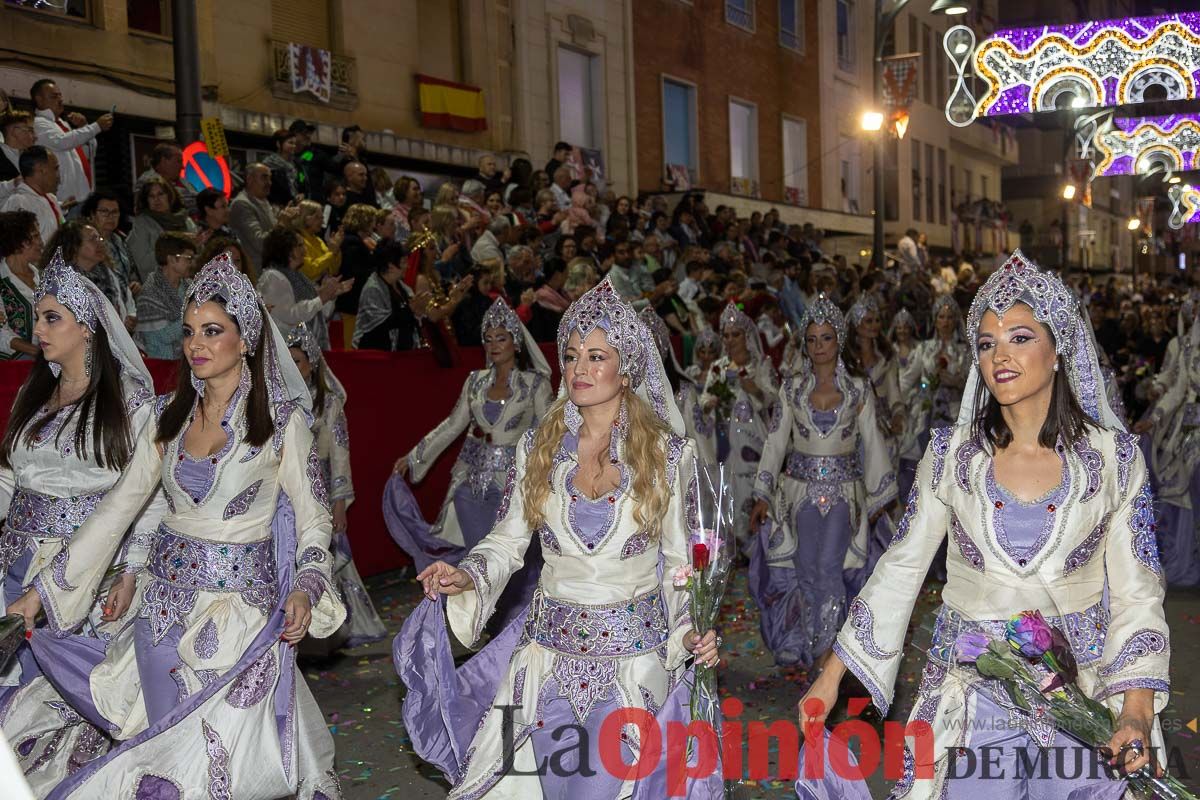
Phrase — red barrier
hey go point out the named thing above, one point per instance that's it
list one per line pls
(394, 400)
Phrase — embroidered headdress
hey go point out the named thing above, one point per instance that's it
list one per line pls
(65, 284)
(823, 311)
(220, 278)
(734, 318)
(1053, 304)
(947, 301)
(501, 315)
(903, 317)
(865, 304)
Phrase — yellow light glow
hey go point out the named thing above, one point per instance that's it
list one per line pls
(1134, 223)
(872, 121)
(1069, 192)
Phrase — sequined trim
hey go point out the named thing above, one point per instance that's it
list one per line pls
(1156, 684)
(1086, 631)
(510, 484)
(341, 432)
(316, 478)
(615, 630)
(862, 621)
(966, 547)
(206, 643)
(186, 563)
(939, 445)
(962, 462)
(252, 686)
(241, 504)
(1127, 448)
(593, 541)
(549, 541)
(518, 693)
(45, 516)
(218, 764)
(635, 545)
(584, 682)
(824, 469)
(1143, 643)
(1084, 551)
(910, 511)
(865, 677)
(1141, 522)
(1093, 465)
(164, 606)
(483, 461)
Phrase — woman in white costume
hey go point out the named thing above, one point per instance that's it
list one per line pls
(202, 689)
(1046, 502)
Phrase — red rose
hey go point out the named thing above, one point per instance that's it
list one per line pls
(699, 556)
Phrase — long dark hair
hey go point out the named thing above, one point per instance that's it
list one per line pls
(111, 437)
(850, 353)
(258, 405)
(1065, 418)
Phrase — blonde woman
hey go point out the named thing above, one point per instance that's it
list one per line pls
(322, 256)
(607, 482)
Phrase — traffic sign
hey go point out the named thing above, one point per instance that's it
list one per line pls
(202, 170)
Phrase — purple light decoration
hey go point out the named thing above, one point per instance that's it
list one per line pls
(1180, 133)
(1139, 39)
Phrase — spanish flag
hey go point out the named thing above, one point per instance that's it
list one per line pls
(453, 106)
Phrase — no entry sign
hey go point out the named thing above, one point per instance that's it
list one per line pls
(202, 170)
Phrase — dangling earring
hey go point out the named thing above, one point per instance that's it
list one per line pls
(1056, 366)
(87, 359)
(622, 421)
(55, 368)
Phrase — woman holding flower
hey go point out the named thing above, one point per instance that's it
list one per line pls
(739, 389)
(943, 362)
(836, 480)
(1045, 500)
(608, 485)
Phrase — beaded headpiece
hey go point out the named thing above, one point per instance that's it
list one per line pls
(903, 317)
(733, 318)
(658, 329)
(220, 278)
(1020, 281)
(708, 338)
(602, 307)
(823, 311)
(948, 301)
(64, 283)
(500, 315)
(865, 304)
(301, 337)
(1053, 304)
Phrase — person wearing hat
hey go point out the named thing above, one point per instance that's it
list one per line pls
(311, 163)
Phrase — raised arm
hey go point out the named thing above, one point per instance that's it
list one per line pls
(421, 457)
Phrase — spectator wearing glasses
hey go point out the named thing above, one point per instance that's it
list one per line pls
(160, 305)
(103, 210)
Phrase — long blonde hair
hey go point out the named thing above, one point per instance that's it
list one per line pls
(644, 453)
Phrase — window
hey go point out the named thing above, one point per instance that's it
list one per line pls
(928, 183)
(791, 25)
(942, 78)
(149, 16)
(850, 169)
(795, 161)
(845, 34)
(579, 117)
(679, 125)
(927, 62)
(75, 9)
(916, 180)
(941, 189)
(740, 13)
(307, 22)
(914, 46)
(743, 140)
(891, 181)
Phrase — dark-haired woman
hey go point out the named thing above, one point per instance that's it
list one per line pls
(1046, 503)
(20, 250)
(292, 298)
(332, 437)
(202, 690)
(388, 308)
(497, 406)
(835, 481)
(72, 431)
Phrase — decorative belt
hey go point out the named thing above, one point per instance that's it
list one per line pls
(1086, 631)
(481, 455)
(617, 630)
(42, 515)
(195, 564)
(823, 469)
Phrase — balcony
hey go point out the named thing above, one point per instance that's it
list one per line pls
(343, 92)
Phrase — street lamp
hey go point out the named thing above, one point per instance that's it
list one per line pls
(886, 12)
(872, 121)
(1134, 223)
(1068, 192)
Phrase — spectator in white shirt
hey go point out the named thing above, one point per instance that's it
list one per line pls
(488, 249)
(910, 254)
(690, 288)
(562, 188)
(70, 136)
(16, 136)
(39, 179)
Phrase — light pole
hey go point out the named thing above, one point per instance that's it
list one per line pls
(187, 71)
(885, 18)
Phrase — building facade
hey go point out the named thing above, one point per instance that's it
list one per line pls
(522, 54)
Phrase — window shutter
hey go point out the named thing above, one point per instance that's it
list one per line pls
(301, 21)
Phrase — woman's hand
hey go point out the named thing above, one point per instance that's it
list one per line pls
(750, 386)
(1130, 745)
(822, 695)
(704, 648)
(339, 516)
(297, 614)
(758, 515)
(28, 606)
(441, 578)
(401, 467)
(120, 597)
(329, 289)
(1144, 425)
(334, 238)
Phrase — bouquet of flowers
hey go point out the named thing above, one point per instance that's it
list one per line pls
(1034, 660)
(12, 626)
(705, 577)
(725, 395)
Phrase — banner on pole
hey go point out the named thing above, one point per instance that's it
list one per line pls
(899, 89)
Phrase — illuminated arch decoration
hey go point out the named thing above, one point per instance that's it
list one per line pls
(1185, 206)
(1106, 63)
(1138, 145)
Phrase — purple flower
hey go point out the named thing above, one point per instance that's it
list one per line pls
(1029, 634)
(969, 646)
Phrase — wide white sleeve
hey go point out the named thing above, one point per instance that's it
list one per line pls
(1137, 650)
(673, 547)
(52, 137)
(301, 476)
(421, 457)
(342, 484)
(778, 441)
(140, 538)
(871, 643)
(542, 398)
(496, 558)
(878, 475)
(68, 589)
